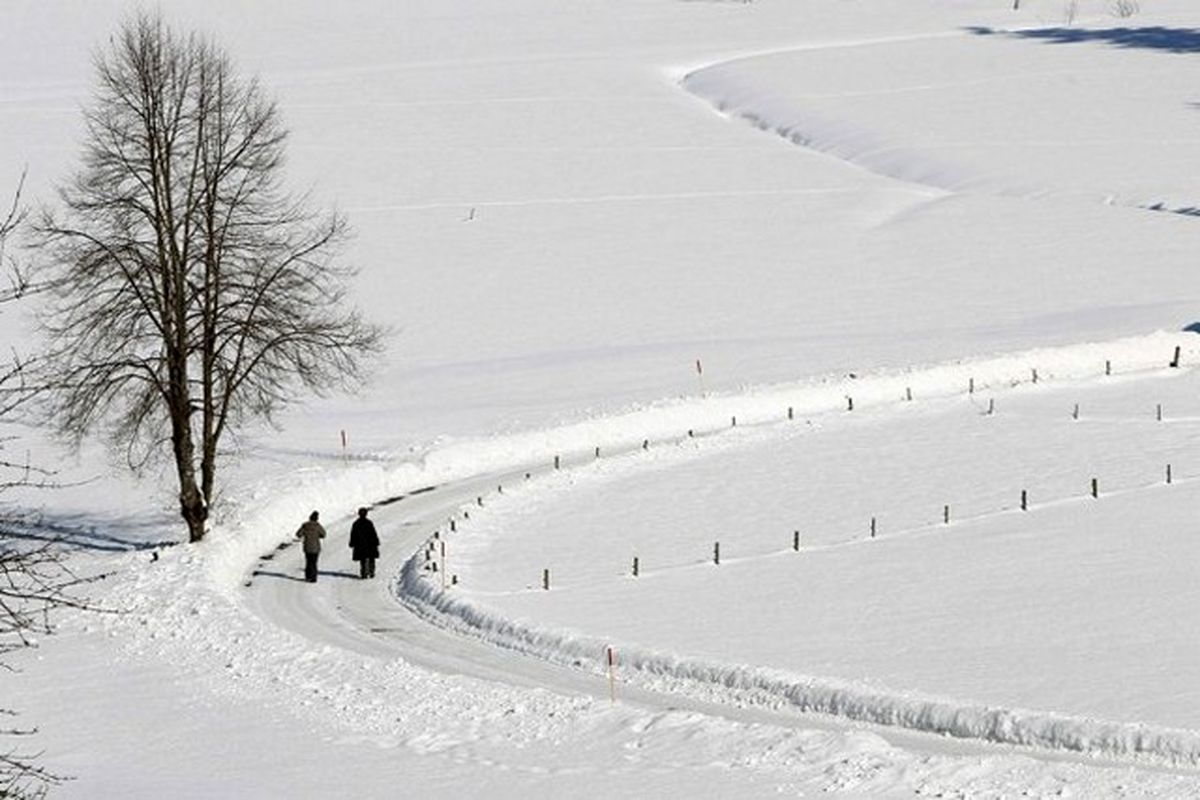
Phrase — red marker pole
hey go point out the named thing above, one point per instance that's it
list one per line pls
(343, 445)
(700, 376)
(442, 542)
(612, 675)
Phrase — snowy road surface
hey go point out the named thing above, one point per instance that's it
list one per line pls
(365, 617)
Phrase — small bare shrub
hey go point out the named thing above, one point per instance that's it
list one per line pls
(1070, 11)
(1124, 9)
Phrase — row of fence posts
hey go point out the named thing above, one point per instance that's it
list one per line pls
(610, 655)
(436, 545)
(873, 530)
(908, 396)
(439, 544)
(874, 524)
(691, 433)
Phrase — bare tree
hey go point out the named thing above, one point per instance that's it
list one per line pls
(34, 579)
(1125, 8)
(35, 582)
(191, 292)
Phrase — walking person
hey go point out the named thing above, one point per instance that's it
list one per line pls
(312, 533)
(364, 542)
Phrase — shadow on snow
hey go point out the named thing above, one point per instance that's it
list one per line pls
(1170, 40)
(264, 573)
(81, 532)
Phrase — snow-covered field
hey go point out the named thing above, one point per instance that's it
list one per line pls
(891, 196)
(1043, 609)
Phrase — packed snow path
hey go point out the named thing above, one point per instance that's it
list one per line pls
(364, 617)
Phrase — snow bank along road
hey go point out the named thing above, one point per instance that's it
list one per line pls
(364, 617)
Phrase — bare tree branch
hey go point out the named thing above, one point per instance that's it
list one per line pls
(16, 278)
(35, 581)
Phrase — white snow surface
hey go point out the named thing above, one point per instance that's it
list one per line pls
(558, 226)
(919, 607)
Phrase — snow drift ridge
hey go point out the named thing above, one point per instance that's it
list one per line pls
(844, 699)
(804, 693)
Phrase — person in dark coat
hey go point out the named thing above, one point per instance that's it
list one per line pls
(312, 533)
(364, 542)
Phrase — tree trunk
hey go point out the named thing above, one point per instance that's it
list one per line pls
(192, 504)
(193, 508)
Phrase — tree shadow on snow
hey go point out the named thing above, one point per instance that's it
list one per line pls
(82, 532)
(1170, 40)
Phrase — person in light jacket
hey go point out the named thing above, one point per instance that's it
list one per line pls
(364, 543)
(312, 533)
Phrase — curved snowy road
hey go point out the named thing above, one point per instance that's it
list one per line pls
(364, 660)
(365, 617)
